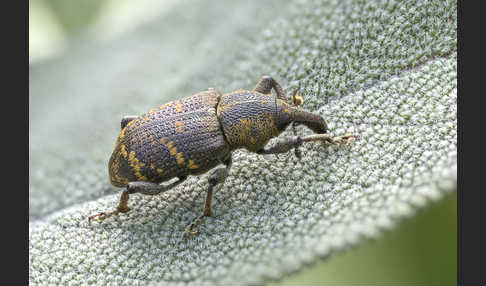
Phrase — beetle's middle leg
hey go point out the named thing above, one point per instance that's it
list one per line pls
(266, 84)
(287, 144)
(218, 176)
(146, 188)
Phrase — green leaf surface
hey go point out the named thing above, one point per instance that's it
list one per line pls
(383, 69)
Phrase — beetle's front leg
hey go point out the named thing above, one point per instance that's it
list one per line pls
(287, 144)
(218, 176)
(146, 188)
(337, 140)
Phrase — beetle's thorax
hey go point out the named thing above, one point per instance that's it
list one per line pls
(248, 118)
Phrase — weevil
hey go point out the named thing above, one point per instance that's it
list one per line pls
(195, 134)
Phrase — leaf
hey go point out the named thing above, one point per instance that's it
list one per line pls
(384, 70)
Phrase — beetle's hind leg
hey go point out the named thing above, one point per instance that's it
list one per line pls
(218, 176)
(146, 188)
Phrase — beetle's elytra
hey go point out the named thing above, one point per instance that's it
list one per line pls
(193, 135)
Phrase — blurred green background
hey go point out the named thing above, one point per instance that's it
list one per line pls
(420, 251)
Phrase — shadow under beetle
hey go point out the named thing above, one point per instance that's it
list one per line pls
(193, 135)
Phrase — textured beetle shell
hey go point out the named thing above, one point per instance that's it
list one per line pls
(180, 138)
(249, 118)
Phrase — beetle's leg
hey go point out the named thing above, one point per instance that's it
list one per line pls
(218, 176)
(287, 144)
(297, 151)
(297, 101)
(265, 86)
(337, 140)
(146, 188)
(127, 119)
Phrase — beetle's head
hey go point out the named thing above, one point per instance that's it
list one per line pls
(297, 115)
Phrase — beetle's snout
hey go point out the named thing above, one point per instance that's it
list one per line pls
(313, 121)
(318, 124)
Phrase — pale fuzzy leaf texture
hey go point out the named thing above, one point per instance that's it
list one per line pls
(383, 69)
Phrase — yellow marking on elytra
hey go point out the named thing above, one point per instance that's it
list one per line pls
(136, 165)
(179, 108)
(192, 165)
(179, 126)
(131, 156)
(114, 169)
(172, 149)
(180, 159)
(117, 178)
(252, 140)
(122, 133)
(170, 144)
(164, 106)
(120, 179)
(124, 151)
(129, 124)
(159, 170)
(115, 166)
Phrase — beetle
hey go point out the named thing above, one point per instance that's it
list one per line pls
(195, 134)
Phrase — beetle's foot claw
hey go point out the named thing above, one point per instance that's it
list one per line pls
(104, 215)
(100, 216)
(343, 140)
(193, 227)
